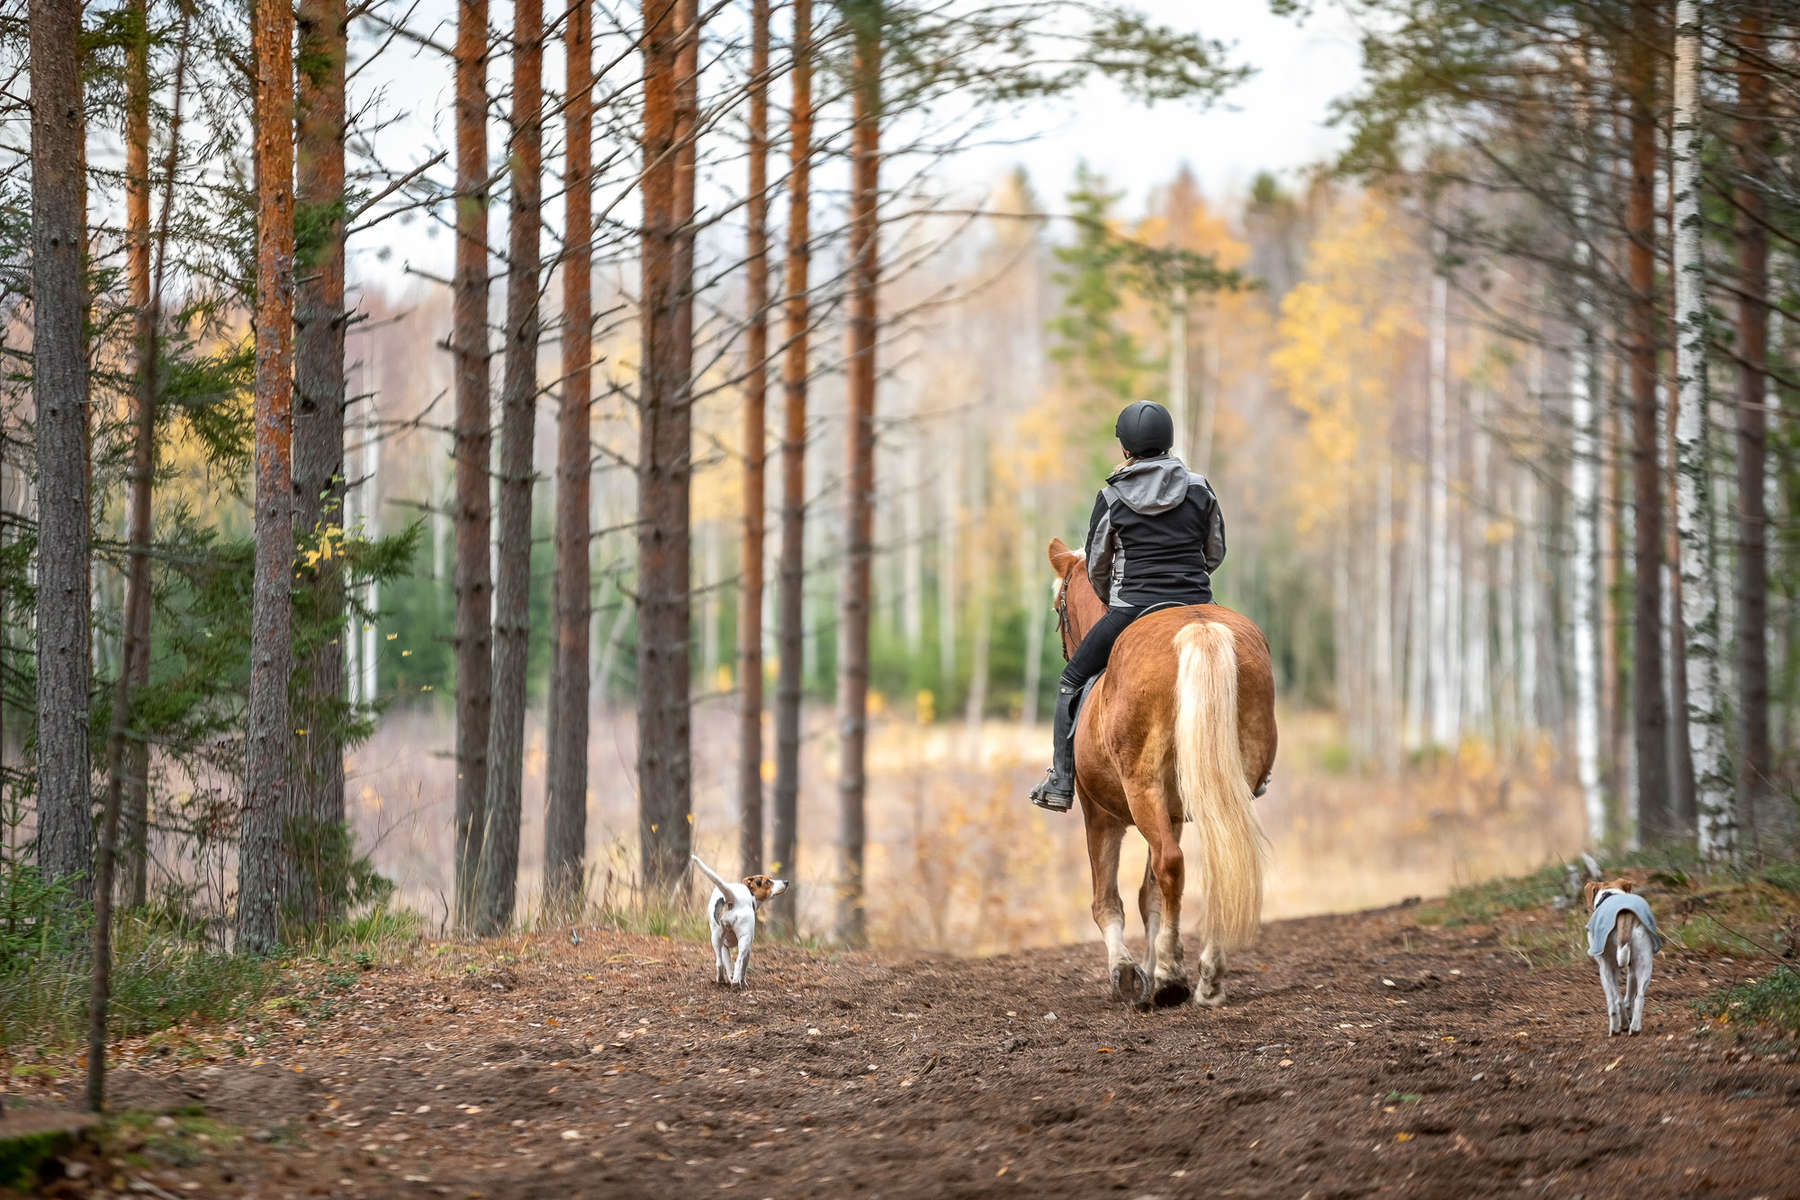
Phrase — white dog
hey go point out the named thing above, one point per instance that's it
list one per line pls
(732, 914)
(1622, 937)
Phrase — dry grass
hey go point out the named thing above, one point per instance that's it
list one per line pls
(957, 859)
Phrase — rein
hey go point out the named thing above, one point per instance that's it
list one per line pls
(1062, 616)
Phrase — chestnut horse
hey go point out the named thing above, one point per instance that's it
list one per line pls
(1180, 728)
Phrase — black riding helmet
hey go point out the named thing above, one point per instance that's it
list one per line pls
(1145, 429)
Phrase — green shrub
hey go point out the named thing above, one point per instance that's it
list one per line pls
(1772, 1000)
(1482, 902)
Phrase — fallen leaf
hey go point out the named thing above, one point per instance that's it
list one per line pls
(1615, 1062)
(1403, 1137)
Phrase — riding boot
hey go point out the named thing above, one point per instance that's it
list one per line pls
(1057, 792)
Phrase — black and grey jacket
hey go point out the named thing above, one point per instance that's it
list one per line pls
(1156, 535)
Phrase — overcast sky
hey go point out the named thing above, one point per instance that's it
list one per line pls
(1274, 122)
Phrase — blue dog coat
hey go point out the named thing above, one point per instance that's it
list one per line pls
(1606, 915)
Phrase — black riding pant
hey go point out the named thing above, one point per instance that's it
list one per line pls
(1090, 657)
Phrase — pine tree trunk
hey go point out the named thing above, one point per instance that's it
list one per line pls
(137, 584)
(664, 458)
(791, 597)
(518, 418)
(566, 782)
(121, 757)
(859, 477)
(319, 320)
(59, 389)
(262, 858)
(474, 443)
(756, 352)
(1757, 767)
(1650, 713)
(1715, 797)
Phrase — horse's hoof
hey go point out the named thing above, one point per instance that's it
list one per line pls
(1172, 993)
(1212, 999)
(1131, 985)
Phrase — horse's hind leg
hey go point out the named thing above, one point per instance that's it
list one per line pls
(1211, 991)
(1168, 981)
(1104, 834)
(1150, 908)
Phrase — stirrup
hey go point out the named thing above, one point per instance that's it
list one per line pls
(1043, 797)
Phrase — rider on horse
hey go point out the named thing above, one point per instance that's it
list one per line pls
(1154, 540)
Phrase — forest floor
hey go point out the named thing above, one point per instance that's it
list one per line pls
(1369, 1053)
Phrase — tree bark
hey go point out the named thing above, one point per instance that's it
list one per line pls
(1650, 714)
(859, 475)
(121, 756)
(518, 412)
(262, 858)
(137, 581)
(791, 595)
(1584, 503)
(319, 320)
(665, 464)
(1715, 799)
(474, 444)
(756, 350)
(59, 389)
(565, 815)
(1755, 773)
(1439, 635)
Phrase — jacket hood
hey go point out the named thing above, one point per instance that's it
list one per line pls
(1151, 485)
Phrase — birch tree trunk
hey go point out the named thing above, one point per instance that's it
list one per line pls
(1650, 713)
(262, 859)
(566, 772)
(1584, 502)
(474, 444)
(1437, 591)
(791, 600)
(1386, 718)
(912, 548)
(1418, 646)
(518, 413)
(756, 352)
(1752, 640)
(1715, 796)
(859, 479)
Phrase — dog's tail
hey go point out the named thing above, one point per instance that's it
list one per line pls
(1215, 795)
(711, 874)
(1624, 929)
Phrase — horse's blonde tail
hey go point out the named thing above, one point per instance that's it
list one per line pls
(1215, 795)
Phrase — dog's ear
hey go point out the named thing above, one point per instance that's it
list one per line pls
(1589, 890)
(1624, 885)
(761, 886)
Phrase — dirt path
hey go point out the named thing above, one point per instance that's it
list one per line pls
(1357, 1055)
